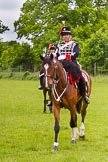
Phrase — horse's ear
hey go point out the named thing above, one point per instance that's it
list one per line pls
(41, 57)
(51, 56)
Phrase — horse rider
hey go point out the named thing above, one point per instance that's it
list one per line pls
(69, 50)
(52, 49)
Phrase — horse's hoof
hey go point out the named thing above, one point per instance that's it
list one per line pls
(54, 148)
(82, 137)
(73, 141)
(44, 112)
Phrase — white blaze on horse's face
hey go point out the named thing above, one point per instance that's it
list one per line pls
(46, 66)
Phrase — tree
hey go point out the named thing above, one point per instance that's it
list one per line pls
(88, 17)
(18, 54)
(40, 20)
(95, 49)
(3, 28)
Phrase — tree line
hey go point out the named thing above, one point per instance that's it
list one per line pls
(40, 22)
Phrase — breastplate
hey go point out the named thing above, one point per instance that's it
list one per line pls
(66, 50)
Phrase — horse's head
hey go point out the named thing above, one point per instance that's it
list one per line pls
(49, 67)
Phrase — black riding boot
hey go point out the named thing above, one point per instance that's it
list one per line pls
(82, 87)
(41, 83)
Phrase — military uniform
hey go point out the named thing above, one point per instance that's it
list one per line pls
(68, 52)
(71, 49)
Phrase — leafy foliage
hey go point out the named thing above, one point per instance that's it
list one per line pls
(40, 22)
(17, 54)
(95, 49)
(3, 28)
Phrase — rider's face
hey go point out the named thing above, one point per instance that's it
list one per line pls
(67, 37)
(52, 50)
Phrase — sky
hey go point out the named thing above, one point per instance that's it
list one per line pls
(9, 12)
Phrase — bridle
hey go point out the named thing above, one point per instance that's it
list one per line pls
(55, 81)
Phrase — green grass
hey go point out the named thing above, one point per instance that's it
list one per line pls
(26, 134)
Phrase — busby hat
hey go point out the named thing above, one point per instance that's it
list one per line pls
(52, 47)
(65, 30)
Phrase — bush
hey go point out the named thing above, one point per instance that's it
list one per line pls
(19, 75)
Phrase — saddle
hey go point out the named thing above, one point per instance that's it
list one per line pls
(73, 71)
(76, 82)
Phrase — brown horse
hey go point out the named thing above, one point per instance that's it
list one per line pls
(46, 94)
(65, 95)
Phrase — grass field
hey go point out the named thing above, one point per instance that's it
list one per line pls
(26, 134)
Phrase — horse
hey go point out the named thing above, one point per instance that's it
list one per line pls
(46, 92)
(65, 94)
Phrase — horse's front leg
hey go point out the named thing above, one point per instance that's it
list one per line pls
(44, 93)
(73, 125)
(56, 126)
(50, 99)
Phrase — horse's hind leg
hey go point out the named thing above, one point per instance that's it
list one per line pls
(73, 125)
(82, 127)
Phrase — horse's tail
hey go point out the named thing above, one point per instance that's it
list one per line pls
(79, 105)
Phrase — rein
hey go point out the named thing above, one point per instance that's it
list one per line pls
(55, 82)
